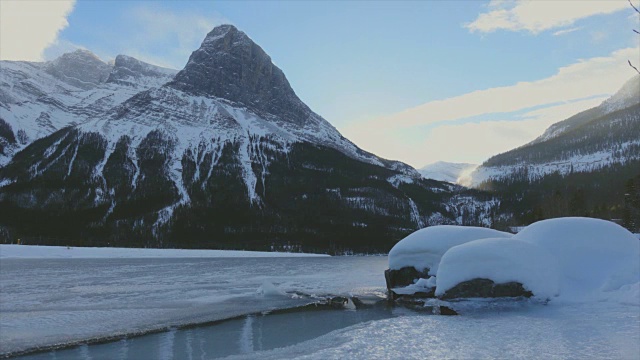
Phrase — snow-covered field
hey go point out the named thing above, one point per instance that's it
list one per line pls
(53, 252)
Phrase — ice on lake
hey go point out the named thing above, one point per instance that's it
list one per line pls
(56, 301)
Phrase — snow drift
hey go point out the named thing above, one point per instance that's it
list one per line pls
(502, 260)
(424, 248)
(572, 259)
(594, 255)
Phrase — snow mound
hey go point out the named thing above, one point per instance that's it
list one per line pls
(424, 248)
(502, 260)
(594, 256)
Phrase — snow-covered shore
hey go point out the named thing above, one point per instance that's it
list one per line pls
(55, 252)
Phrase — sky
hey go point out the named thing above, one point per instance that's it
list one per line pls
(418, 81)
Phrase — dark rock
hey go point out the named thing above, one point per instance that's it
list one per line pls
(445, 310)
(338, 302)
(485, 288)
(404, 276)
(230, 65)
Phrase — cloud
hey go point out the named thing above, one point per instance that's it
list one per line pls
(539, 16)
(474, 126)
(472, 142)
(27, 27)
(476, 142)
(583, 79)
(566, 31)
(172, 33)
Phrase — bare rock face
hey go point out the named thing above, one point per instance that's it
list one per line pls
(81, 68)
(485, 288)
(230, 65)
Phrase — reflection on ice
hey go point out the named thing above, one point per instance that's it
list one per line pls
(242, 336)
(60, 301)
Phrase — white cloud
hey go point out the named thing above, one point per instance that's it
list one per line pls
(476, 142)
(538, 16)
(27, 27)
(566, 31)
(583, 79)
(426, 134)
(469, 142)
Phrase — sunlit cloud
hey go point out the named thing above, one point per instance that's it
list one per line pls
(474, 126)
(28, 27)
(583, 79)
(566, 31)
(539, 16)
(472, 142)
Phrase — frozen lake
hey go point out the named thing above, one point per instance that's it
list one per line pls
(47, 302)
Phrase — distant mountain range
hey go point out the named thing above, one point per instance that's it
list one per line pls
(594, 139)
(222, 154)
(588, 164)
(447, 171)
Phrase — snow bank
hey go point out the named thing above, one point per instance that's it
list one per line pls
(501, 260)
(424, 248)
(50, 252)
(594, 256)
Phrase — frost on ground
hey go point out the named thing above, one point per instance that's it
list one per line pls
(564, 259)
(52, 252)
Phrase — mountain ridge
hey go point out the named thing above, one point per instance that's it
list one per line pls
(178, 165)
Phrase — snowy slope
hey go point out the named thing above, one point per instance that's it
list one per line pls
(589, 141)
(446, 171)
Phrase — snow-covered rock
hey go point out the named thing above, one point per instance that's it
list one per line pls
(500, 260)
(568, 259)
(594, 255)
(424, 248)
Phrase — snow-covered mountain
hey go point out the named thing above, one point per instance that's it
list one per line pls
(446, 171)
(587, 165)
(37, 99)
(594, 139)
(225, 153)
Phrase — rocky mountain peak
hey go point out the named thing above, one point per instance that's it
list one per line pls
(81, 68)
(231, 66)
(130, 71)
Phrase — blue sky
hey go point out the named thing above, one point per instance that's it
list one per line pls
(394, 76)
